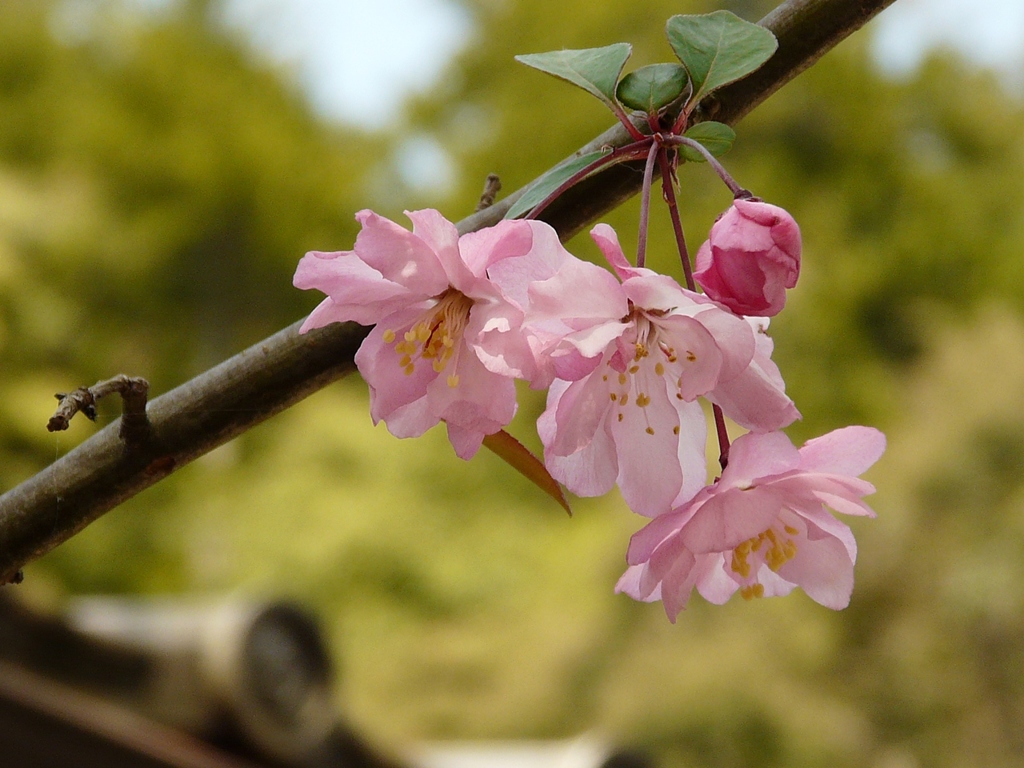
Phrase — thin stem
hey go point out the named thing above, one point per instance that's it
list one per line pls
(724, 175)
(723, 437)
(627, 123)
(645, 204)
(668, 190)
(622, 154)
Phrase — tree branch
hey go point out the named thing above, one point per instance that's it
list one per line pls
(133, 391)
(276, 373)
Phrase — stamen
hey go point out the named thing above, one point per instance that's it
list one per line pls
(435, 335)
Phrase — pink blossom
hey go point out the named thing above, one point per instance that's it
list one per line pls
(763, 527)
(447, 340)
(629, 360)
(750, 258)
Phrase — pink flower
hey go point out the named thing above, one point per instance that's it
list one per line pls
(448, 339)
(763, 527)
(629, 361)
(750, 258)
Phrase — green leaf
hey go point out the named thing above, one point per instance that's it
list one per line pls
(519, 458)
(552, 180)
(595, 70)
(650, 88)
(716, 137)
(718, 48)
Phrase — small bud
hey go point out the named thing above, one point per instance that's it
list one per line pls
(750, 258)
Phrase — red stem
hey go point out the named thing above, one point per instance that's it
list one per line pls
(668, 190)
(724, 175)
(645, 205)
(627, 123)
(723, 437)
(677, 226)
(620, 155)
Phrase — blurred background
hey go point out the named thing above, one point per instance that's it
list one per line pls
(164, 165)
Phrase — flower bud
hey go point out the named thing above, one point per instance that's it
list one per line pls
(750, 258)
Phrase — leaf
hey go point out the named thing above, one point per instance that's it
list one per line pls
(650, 88)
(595, 70)
(552, 180)
(718, 48)
(717, 138)
(519, 458)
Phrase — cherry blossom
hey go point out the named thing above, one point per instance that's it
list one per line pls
(763, 527)
(629, 361)
(750, 258)
(447, 340)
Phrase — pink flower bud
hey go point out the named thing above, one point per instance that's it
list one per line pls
(750, 258)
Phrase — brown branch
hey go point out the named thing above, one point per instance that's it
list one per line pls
(209, 410)
(492, 186)
(133, 390)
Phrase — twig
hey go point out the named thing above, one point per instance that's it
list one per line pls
(492, 186)
(282, 370)
(133, 390)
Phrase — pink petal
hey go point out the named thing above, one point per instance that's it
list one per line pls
(692, 452)
(823, 570)
(730, 517)
(608, 242)
(544, 258)
(756, 455)
(507, 239)
(482, 401)
(390, 387)
(756, 399)
(357, 291)
(714, 582)
(678, 573)
(578, 290)
(653, 291)
(643, 543)
(699, 356)
(325, 313)
(820, 524)
(629, 584)
(848, 451)
(591, 471)
(734, 338)
(399, 255)
(443, 239)
(580, 409)
(466, 442)
(650, 476)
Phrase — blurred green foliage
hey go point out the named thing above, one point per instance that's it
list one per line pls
(157, 186)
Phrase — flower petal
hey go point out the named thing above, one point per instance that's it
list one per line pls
(730, 517)
(399, 255)
(847, 451)
(650, 476)
(824, 570)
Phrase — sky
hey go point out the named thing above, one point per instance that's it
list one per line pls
(358, 59)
